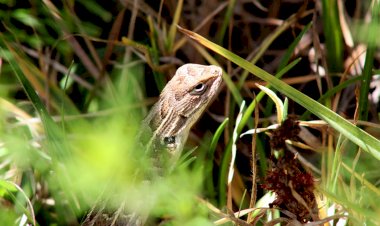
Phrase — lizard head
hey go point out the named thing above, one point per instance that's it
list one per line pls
(188, 93)
(182, 101)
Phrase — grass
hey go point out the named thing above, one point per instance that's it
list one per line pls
(75, 87)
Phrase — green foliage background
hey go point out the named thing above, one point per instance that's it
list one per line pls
(77, 77)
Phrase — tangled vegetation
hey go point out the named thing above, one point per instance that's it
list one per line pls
(291, 139)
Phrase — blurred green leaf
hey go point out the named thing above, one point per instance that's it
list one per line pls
(367, 33)
(25, 17)
(94, 7)
(5, 187)
(9, 3)
(333, 35)
(372, 38)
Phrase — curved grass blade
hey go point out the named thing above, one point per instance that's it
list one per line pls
(211, 151)
(216, 137)
(53, 133)
(364, 140)
(332, 91)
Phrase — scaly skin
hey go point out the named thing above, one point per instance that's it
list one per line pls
(164, 131)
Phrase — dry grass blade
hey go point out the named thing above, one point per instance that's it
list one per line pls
(173, 26)
(81, 53)
(35, 77)
(254, 168)
(113, 36)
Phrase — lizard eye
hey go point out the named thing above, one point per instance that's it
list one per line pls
(169, 140)
(199, 89)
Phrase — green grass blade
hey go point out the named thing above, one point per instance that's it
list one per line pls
(36, 80)
(284, 61)
(332, 91)
(159, 78)
(333, 35)
(246, 116)
(173, 26)
(354, 207)
(369, 59)
(270, 39)
(53, 133)
(251, 107)
(289, 52)
(215, 138)
(364, 140)
(364, 87)
(226, 21)
(210, 153)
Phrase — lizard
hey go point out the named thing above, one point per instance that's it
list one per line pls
(165, 129)
(181, 102)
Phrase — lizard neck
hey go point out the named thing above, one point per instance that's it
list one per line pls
(165, 134)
